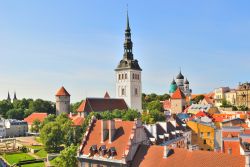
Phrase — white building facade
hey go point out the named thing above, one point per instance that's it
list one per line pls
(128, 75)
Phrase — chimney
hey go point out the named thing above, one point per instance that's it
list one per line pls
(247, 161)
(167, 152)
(153, 130)
(111, 130)
(104, 130)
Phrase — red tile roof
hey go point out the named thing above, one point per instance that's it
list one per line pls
(178, 94)
(35, 116)
(200, 114)
(62, 92)
(77, 120)
(81, 107)
(153, 157)
(121, 138)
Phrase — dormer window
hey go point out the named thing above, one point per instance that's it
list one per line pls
(112, 152)
(102, 150)
(93, 149)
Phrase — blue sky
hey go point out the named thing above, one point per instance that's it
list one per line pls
(78, 44)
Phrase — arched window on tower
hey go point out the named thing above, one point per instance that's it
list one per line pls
(119, 76)
(133, 76)
(126, 76)
(136, 91)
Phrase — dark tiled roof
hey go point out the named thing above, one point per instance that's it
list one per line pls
(104, 104)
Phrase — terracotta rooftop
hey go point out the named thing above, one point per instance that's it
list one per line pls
(62, 92)
(35, 116)
(77, 120)
(178, 94)
(81, 107)
(153, 156)
(121, 138)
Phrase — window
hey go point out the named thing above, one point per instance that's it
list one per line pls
(126, 76)
(204, 142)
(119, 76)
(122, 76)
(136, 91)
(201, 134)
(208, 134)
(123, 91)
(133, 76)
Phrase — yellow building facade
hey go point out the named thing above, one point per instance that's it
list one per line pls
(202, 135)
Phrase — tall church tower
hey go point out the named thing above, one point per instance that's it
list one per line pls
(128, 75)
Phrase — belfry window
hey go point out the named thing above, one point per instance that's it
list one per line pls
(123, 91)
(136, 91)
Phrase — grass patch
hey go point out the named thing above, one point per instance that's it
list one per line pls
(40, 164)
(38, 139)
(41, 153)
(36, 147)
(16, 157)
(53, 161)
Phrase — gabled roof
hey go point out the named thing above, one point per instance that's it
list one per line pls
(106, 96)
(35, 116)
(153, 156)
(62, 92)
(102, 104)
(77, 120)
(121, 138)
(200, 114)
(81, 107)
(178, 94)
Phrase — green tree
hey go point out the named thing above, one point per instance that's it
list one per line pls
(74, 107)
(155, 105)
(52, 136)
(5, 106)
(152, 117)
(40, 105)
(67, 157)
(50, 118)
(130, 115)
(15, 114)
(106, 115)
(36, 125)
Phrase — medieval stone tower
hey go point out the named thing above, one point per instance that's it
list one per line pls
(128, 75)
(62, 101)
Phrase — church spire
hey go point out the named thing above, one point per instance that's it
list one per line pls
(128, 27)
(8, 98)
(15, 98)
(128, 44)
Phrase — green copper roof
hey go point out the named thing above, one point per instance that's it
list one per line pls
(172, 88)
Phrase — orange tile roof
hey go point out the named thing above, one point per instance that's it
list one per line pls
(77, 120)
(153, 157)
(35, 116)
(200, 114)
(81, 107)
(62, 92)
(121, 138)
(178, 94)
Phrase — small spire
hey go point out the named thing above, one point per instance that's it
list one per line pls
(15, 98)
(128, 27)
(8, 98)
